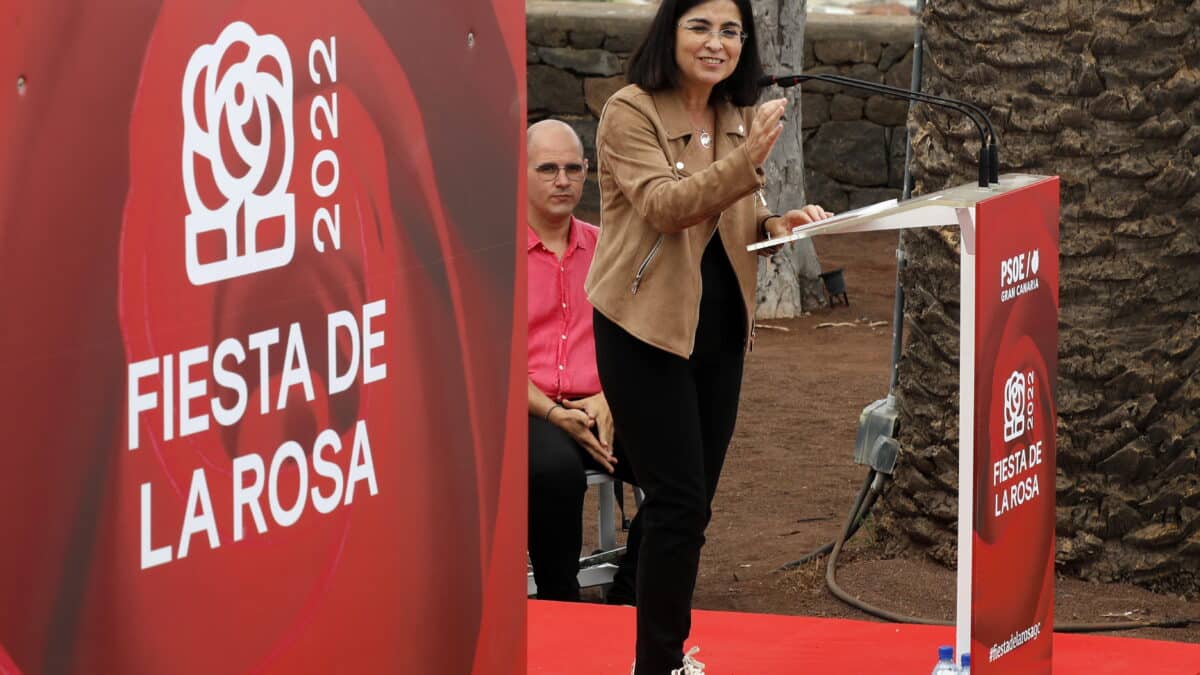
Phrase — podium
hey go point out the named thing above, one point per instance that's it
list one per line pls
(1008, 346)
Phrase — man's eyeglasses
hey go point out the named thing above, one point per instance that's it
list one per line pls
(702, 31)
(548, 172)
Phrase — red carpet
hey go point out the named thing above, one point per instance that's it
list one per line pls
(588, 639)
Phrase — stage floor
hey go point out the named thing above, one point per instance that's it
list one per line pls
(590, 639)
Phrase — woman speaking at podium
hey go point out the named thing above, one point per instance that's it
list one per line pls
(680, 154)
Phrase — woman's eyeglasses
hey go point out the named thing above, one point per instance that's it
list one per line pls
(549, 172)
(702, 31)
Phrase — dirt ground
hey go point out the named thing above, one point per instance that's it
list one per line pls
(790, 478)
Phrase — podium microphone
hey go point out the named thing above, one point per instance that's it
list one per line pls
(989, 152)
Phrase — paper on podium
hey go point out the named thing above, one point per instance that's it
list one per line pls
(939, 209)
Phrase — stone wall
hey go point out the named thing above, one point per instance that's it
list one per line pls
(853, 142)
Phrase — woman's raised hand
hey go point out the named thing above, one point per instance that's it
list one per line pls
(765, 130)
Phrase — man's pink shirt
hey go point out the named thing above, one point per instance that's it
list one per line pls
(562, 351)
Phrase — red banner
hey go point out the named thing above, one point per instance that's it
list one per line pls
(1016, 347)
(262, 350)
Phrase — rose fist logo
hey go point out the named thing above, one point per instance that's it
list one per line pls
(1018, 404)
(238, 146)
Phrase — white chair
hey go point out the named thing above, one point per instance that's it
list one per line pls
(605, 568)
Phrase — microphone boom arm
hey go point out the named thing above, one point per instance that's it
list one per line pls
(988, 156)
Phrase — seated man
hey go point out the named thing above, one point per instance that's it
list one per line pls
(570, 429)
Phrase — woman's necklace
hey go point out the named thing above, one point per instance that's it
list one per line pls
(705, 137)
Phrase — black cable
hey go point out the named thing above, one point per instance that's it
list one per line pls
(914, 85)
(862, 505)
(858, 514)
(832, 585)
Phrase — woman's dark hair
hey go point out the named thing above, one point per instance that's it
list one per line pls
(652, 66)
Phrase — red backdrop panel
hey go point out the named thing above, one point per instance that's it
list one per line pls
(255, 256)
(1016, 358)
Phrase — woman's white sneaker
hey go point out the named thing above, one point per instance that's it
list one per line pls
(690, 666)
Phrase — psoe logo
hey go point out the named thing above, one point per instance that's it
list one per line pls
(1018, 404)
(238, 147)
(1018, 275)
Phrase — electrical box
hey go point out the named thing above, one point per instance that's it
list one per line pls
(876, 445)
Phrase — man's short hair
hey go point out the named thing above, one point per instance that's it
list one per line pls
(551, 123)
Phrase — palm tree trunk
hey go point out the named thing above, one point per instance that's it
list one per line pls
(788, 281)
(1102, 93)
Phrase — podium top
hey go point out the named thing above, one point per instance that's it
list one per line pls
(937, 209)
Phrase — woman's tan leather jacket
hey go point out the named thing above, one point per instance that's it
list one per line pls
(660, 204)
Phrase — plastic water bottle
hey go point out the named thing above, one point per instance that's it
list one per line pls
(965, 668)
(945, 664)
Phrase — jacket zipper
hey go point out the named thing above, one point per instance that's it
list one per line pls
(762, 197)
(637, 280)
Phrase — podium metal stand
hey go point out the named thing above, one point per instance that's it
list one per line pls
(1008, 341)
